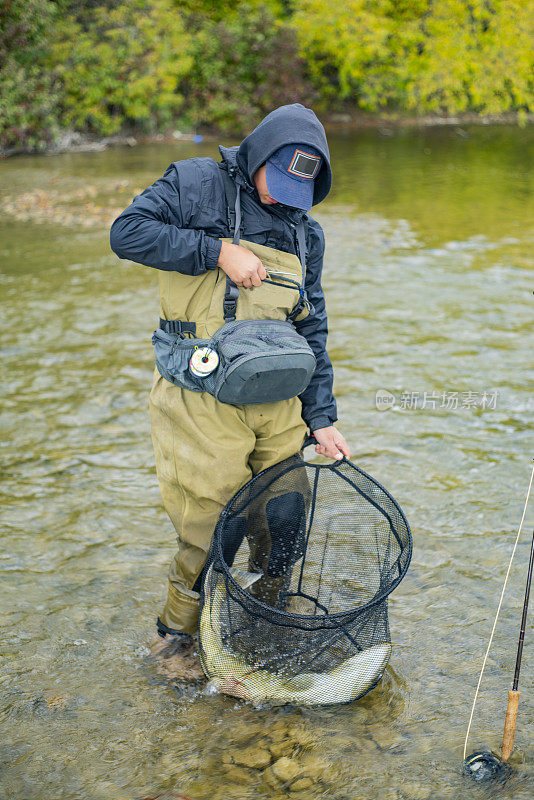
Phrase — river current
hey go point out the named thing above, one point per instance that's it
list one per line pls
(428, 280)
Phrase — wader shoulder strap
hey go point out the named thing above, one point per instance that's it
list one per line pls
(233, 203)
(301, 241)
(303, 299)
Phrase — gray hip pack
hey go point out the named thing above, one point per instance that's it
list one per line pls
(245, 361)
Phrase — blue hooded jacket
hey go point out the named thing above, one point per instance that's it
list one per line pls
(175, 224)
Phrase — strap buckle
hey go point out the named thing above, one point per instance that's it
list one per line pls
(177, 326)
(229, 309)
(302, 303)
(230, 300)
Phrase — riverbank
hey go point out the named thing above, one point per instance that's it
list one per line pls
(69, 141)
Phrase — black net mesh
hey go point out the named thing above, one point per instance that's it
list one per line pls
(294, 601)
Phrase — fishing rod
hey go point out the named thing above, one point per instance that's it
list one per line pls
(514, 693)
(484, 764)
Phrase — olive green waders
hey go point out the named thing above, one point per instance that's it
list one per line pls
(206, 450)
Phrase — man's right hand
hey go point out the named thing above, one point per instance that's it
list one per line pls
(241, 265)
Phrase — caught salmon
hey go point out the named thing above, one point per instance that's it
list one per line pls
(229, 673)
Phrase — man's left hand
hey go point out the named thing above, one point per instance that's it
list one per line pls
(331, 443)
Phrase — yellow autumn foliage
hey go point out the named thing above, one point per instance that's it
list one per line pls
(442, 56)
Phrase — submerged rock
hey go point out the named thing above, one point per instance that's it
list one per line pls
(239, 775)
(302, 737)
(228, 792)
(286, 747)
(386, 738)
(244, 732)
(56, 701)
(286, 740)
(253, 757)
(170, 765)
(367, 747)
(177, 659)
(415, 791)
(278, 731)
(314, 767)
(286, 769)
(301, 785)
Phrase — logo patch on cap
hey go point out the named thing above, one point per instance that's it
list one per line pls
(303, 164)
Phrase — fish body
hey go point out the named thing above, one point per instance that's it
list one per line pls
(231, 674)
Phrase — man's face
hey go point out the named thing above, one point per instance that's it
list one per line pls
(261, 186)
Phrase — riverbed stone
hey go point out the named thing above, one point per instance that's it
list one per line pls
(415, 791)
(341, 742)
(285, 747)
(253, 757)
(301, 784)
(278, 731)
(245, 731)
(170, 765)
(303, 737)
(367, 747)
(56, 701)
(271, 779)
(286, 769)
(229, 790)
(362, 716)
(314, 767)
(239, 775)
(386, 738)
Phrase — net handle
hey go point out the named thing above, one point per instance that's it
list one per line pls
(311, 440)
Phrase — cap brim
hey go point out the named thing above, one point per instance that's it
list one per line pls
(285, 189)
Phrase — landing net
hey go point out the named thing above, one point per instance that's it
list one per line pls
(329, 545)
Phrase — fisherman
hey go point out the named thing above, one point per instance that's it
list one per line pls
(182, 225)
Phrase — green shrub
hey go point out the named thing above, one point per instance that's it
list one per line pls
(475, 56)
(443, 56)
(244, 66)
(102, 66)
(123, 67)
(28, 93)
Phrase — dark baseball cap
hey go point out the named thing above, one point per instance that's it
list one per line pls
(290, 174)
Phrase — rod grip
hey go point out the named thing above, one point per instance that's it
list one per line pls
(509, 724)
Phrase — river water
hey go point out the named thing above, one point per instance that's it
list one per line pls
(428, 278)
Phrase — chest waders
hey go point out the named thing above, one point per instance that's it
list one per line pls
(205, 450)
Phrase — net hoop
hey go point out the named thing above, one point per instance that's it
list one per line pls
(305, 621)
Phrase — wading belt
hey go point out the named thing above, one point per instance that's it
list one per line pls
(177, 326)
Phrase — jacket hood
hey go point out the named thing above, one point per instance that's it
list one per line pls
(291, 124)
